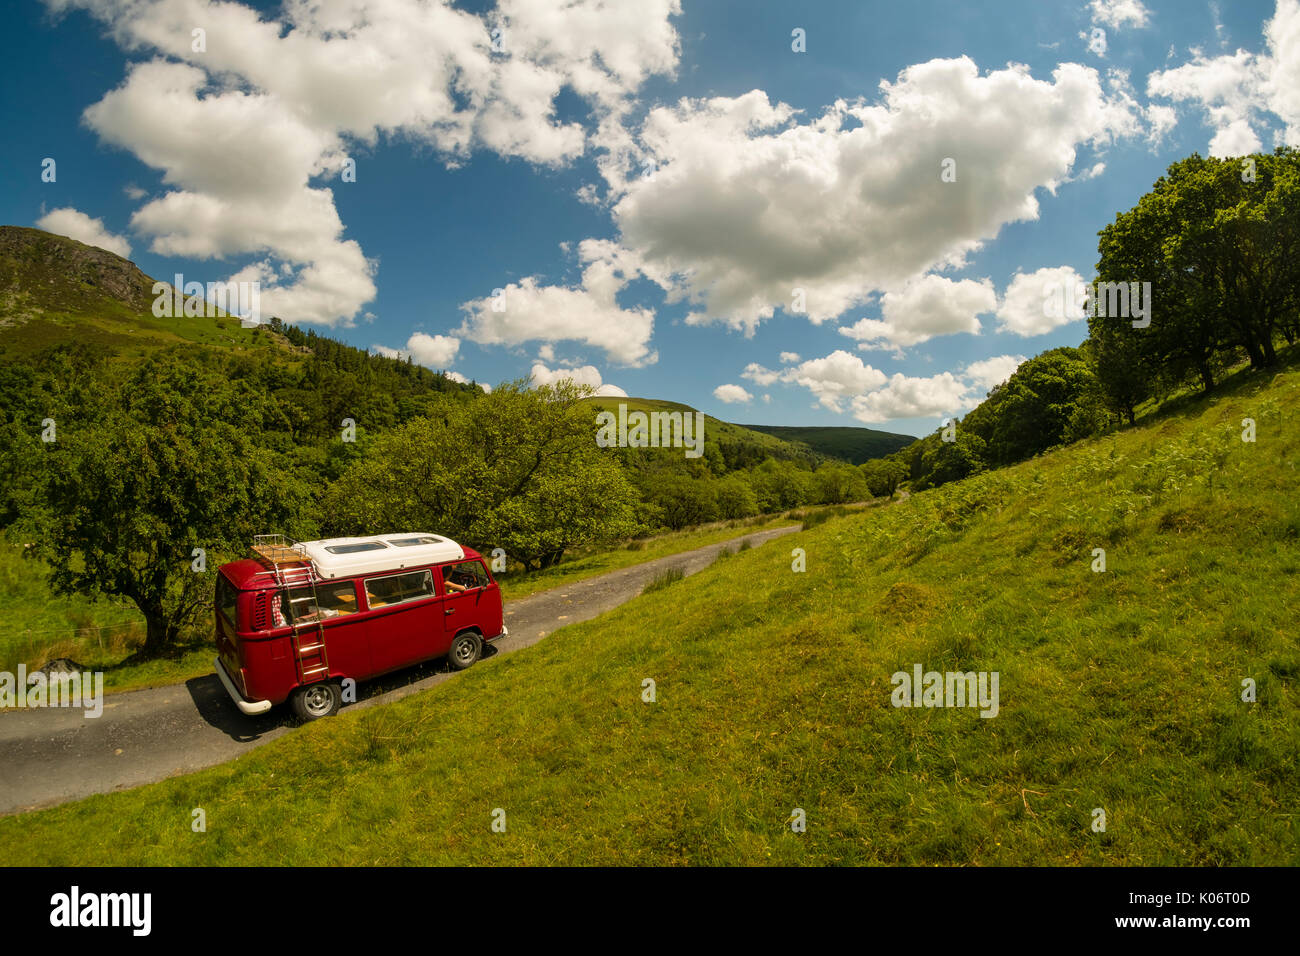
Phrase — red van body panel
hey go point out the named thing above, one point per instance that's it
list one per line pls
(258, 656)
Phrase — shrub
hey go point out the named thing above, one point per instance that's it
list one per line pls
(663, 579)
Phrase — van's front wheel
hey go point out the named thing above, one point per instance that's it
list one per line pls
(317, 701)
(464, 650)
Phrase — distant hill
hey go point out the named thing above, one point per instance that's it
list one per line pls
(744, 442)
(847, 443)
(56, 290)
(741, 445)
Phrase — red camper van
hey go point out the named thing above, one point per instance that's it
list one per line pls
(296, 620)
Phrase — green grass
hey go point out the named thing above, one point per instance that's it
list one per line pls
(813, 518)
(99, 634)
(587, 564)
(39, 626)
(670, 576)
(101, 300)
(1119, 690)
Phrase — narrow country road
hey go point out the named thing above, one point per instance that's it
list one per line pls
(54, 755)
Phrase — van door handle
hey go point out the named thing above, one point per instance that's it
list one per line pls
(450, 610)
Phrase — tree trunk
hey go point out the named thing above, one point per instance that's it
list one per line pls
(160, 635)
(1207, 376)
(1270, 354)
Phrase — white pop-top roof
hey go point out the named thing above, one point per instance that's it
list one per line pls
(346, 557)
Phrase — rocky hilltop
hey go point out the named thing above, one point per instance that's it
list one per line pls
(42, 272)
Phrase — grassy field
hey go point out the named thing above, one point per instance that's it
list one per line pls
(100, 634)
(1120, 691)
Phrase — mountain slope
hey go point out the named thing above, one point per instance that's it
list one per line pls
(715, 429)
(55, 290)
(1120, 693)
(851, 444)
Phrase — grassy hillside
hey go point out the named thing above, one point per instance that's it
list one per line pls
(54, 290)
(714, 428)
(40, 626)
(812, 443)
(854, 445)
(1118, 690)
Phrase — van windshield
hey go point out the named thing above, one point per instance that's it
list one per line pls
(464, 576)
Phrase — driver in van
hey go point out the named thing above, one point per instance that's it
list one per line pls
(448, 583)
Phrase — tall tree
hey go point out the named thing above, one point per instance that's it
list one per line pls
(1219, 241)
(1032, 410)
(884, 475)
(517, 469)
(165, 462)
(1117, 360)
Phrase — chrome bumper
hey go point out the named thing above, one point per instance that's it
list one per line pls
(251, 709)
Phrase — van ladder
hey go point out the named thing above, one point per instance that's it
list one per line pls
(293, 569)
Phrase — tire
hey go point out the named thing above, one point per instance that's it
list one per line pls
(316, 701)
(464, 651)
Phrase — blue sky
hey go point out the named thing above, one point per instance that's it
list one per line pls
(649, 182)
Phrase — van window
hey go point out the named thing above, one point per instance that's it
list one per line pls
(464, 576)
(327, 601)
(356, 548)
(226, 595)
(397, 588)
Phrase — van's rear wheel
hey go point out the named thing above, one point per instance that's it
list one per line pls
(464, 650)
(317, 701)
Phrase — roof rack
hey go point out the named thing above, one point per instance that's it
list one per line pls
(276, 551)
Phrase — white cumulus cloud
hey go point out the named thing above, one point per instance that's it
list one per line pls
(457, 377)
(582, 375)
(1237, 91)
(926, 307)
(907, 397)
(732, 394)
(432, 351)
(1119, 13)
(252, 131)
(831, 379)
(77, 225)
(1038, 302)
(435, 351)
(745, 203)
(993, 371)
(528, 310)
